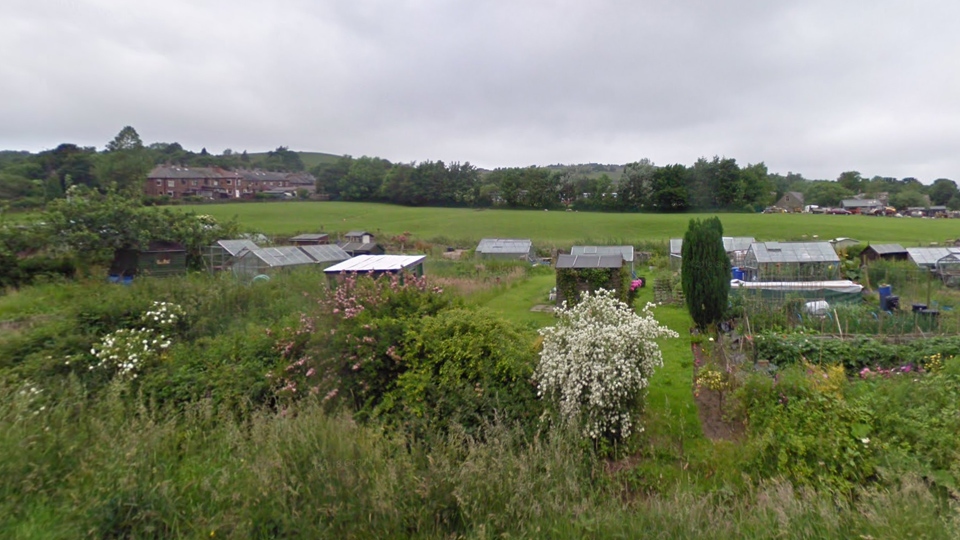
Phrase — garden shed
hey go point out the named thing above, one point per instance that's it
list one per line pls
(505, 249)
(310, 239)
(579, 273)
(160, 258)
(379, 264)
(624, 251)
(223, 252)
(887, 252)
(791, 261)
(254, 262)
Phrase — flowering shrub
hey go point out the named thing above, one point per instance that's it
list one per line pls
(125, 352)
(164, 316)
(368, 319)
(596, 361)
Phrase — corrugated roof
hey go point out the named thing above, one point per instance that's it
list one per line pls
(234, 247)
(624, 251)
(860, 203)
(376, 263)
(589, 261)
(327, 253)
(358, 246)
(887, 249)
(794, 252)
(928, 256)
(281, 256)
(504, 245)
(309, 236)
(730, 243)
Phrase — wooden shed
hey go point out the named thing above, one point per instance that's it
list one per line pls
(887, 252)
(158, 259)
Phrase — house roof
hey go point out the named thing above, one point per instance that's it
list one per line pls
(376, 263)
(263, 176)
(730, 243)
(860, 203)
(234, 247)
(793, 252)
(624, 251)
(589, 261)
(928, 256)
(175, 171)
(280, 256)
(325, 253)
(795, 194)
(308, 237)
(504, 245)
(886, 249)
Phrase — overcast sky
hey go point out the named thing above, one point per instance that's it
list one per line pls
(815, 87)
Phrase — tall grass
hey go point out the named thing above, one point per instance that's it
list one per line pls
(106, 469)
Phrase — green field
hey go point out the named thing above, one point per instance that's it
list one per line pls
(565, 228)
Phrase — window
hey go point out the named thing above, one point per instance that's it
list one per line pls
(160, 183)
(194, 182)
(171, 183)
(229, 182)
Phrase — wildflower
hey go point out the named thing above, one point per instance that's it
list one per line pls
(865, 440)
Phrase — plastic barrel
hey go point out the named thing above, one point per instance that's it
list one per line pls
(737, 273)
(885, 291)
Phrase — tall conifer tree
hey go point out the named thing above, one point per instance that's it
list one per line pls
(705, 276)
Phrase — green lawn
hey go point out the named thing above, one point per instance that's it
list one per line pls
(464, 225)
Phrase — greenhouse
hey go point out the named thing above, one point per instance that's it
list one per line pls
(791, 261)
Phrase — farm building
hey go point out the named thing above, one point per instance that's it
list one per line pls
(927, 257)
(505, 249)
(222, 253)
(254, 262)
(887, 252)
(158, 259)
(579, 273)
(310, 239)
(791, 201)
(379, 264)
(624, 251)
(862, 206)
(791, 261)
(735, 246)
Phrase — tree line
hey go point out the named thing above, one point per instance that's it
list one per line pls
(29, 180)
(717, 184)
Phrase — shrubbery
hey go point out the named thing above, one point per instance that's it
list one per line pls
(596, 362)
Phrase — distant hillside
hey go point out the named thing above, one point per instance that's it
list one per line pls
(310, 159)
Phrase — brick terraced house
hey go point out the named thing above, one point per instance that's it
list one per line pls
(215, 183)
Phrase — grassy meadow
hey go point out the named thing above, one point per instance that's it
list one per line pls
(464, 225)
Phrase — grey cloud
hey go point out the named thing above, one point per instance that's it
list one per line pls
(810, 87)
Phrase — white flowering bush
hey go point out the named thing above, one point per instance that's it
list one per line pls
(595, 362)
(164, 316)
(125, 352)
